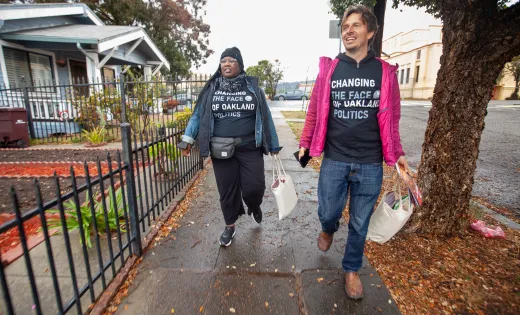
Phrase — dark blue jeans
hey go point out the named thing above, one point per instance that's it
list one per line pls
(363, 181)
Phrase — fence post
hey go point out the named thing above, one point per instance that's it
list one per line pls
(28, 108)
(126, 139)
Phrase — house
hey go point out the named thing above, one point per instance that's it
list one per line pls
(59, 43)
(418, 53)
(49, 51)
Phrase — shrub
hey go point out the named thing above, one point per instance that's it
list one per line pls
(183, 116)
(92, 110)
(72, 219)
(95, 136)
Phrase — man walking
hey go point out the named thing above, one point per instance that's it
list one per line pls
(353, 117)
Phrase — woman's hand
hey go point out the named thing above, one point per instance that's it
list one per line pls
(302, 152)
(187, 151)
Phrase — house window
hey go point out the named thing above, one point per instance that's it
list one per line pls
(407, 75)
(36, 69)
(402, 76)
(109, 75)
(418, 54)
(417, 74)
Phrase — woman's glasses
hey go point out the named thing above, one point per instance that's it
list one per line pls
(228, 60)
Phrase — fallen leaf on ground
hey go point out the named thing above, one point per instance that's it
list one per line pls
(201, 309)
(266, 304)
(319, 280)
(173, 311)
(252, 265)
(291, 294)
(232, 310)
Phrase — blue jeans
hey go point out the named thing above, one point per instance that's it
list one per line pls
(364, 183)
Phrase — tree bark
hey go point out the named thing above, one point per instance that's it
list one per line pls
(475, 48)
(379, 12)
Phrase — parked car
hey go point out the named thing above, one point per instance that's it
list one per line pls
(184, 99)
(295, 95)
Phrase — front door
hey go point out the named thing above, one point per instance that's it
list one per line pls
(78, 72)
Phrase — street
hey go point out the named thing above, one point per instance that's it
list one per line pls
(497, 177)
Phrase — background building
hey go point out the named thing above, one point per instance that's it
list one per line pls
(418, 54)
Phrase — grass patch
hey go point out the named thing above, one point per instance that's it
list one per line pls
(294, 115)
(297, 128)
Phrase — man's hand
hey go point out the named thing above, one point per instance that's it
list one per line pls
(187, 151)
(302, 152)
(403, 164)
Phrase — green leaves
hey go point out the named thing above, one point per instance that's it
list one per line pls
(163, 149)
(176, 27)
(338, 7)
(114, 213)
(268, 74)
(96, 135)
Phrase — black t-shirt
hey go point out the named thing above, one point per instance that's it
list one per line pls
(353, 130)
(234, 113)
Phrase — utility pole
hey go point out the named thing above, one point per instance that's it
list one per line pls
(305, 89)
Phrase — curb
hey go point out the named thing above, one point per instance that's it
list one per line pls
(104, 300)
(497, 216)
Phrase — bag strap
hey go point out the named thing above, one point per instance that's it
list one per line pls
(276, 172)
(280, 165)
(277, 168)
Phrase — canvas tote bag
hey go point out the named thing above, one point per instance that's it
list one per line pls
(390, 216)
(283, 189)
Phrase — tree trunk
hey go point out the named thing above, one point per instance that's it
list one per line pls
(517, 88)
(474, 53)
(379, 11)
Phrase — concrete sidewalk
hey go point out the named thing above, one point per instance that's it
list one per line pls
(274, 267)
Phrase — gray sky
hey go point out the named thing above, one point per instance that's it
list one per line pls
(295, 32)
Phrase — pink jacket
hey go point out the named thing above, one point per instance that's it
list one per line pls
(315, 130)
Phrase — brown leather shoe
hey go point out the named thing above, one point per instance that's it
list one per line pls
(353, 285)
(324, 241)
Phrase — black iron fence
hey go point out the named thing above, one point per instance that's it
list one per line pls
(58, 113)
(100, 222)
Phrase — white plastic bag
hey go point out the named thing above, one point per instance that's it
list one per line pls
(386, 221)
(283, 189)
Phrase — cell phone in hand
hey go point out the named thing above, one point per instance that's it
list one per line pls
(182, 145)
(304, 159)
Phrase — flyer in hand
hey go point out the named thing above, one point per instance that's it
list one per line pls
(413, 189)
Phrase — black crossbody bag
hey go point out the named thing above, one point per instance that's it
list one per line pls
(223, 148)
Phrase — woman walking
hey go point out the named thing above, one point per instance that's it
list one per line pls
(233, 124)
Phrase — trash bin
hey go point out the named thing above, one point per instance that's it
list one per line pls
(13, 127)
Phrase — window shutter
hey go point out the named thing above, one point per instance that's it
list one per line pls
(40, 69)
(17, 67)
